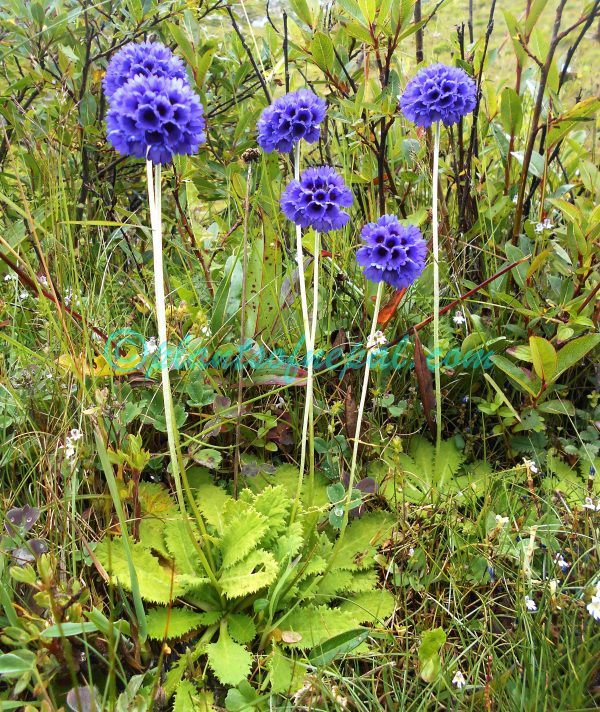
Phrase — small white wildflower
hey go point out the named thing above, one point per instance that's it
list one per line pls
(545, 225)
(205, 331)
(75, 435)
(23, 295)
(151, 344)
(516, 199)
(530, 464)
(377, 341)
(589, 504)
(10, 277)
(561, 563)
(459, 680)
(69, 449)
(501, 521)
(530, 604)
(42, 279)
(459, 318)
(411, 552)
(593, 608)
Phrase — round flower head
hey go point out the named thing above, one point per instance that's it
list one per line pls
(146, 58)
(438, 93)
(293, 117)
(393, 254)
(316, 200)
(155, 118)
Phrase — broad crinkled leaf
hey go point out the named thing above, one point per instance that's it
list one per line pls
(241, 627)
(179, 622)
(361, 541)
(181, 548)
(274, 504)
(230, 662)
(315, 624)
(155, 499)
(370, 607)
(256, 571)
(212, 501)
(450, 460)
(242, 533)
(154, 579)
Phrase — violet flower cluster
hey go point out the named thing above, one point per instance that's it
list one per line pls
(393, 253)
(154, 113)
(292, 118)
(438, 93)
(317, 199)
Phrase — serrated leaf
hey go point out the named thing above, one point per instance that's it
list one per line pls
(274, 505)
(212, 501)
(180, 621)
(187, 698)
(361, 541)
(230, 662)
(241, 627)
(315, 624)
(256, 571)
(154, 579)
(241, 534)
(281, 672)
(156, 500)
(370, 607)
(181, 548)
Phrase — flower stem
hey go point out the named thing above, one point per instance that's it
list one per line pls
(310, 378)
(238, 422)
(155, 204)
(361, 408)
(307, 339)
(436, 289)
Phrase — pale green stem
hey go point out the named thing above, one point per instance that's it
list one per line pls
(307, 339)
(155, 203)
(436, 289)
(359, 417)
(310, 376)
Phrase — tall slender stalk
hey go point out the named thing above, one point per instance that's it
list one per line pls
(307, 339)
(310, 376)
(238, 423)
(436, 288)
(155, 203)
(359, 417)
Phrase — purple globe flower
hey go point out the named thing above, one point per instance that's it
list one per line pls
(393, 254)
(293, 117)
(438, 93)
(145, 58)
(155, 118)
(316, 200)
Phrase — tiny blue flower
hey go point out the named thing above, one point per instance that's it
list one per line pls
(393, 253)
(316, 200)
(145, 58)
(155, 118)
(592, 471)
(438, 93)
(291, 118)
